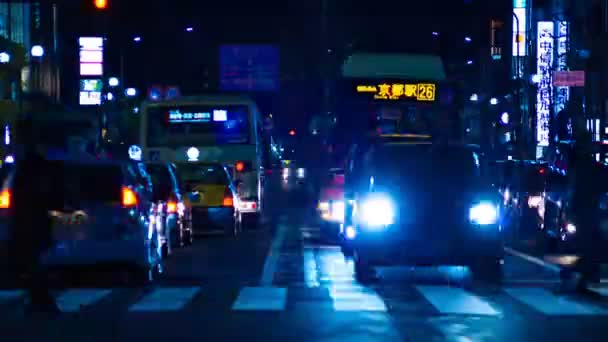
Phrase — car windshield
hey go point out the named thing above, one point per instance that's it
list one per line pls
(426, 166)
(85, 182)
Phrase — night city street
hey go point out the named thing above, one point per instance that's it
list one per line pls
(325, 170)
(280, 283)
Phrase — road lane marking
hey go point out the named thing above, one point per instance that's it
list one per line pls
(9, 295)
(272, 258)
(75, 299)
(549, 304)
(311, 276)
(356, 298)
(261, 299)
(532, 259)
(452, 300)
(165, 299)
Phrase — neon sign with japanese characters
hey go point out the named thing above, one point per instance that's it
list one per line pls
(399, 91)
(544, 63)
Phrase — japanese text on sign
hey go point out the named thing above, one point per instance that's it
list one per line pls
(400, 91)
(562, 94)
(544, 93)
(177, 116)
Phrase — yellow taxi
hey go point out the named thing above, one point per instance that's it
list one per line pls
(212, 195)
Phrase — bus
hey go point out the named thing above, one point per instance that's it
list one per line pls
(223, 129)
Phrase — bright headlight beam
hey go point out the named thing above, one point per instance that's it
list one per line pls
(484, 214)
(378, 211)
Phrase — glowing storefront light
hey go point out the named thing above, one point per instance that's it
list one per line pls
(562, 94)
(544, 61)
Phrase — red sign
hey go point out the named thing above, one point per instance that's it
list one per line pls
(574, 78)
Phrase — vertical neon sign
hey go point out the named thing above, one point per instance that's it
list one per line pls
(562, 94)
(544, 62)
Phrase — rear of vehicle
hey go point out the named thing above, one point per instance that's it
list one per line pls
(331, 204)
(418, 204)
(171, 212)
(101, 222)
(225, 130)
(212, 197)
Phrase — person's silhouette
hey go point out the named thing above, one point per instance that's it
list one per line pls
(31, 224)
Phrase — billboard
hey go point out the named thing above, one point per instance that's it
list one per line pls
(562, 93)
(519, 32)
(91, 56)
(90, 92)
(544, 94)
(250, 67)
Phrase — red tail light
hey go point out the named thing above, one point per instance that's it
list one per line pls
(239, 166)
(541, 171)
(129, 198)
(171, 207)
(5, 199)
(228, 198)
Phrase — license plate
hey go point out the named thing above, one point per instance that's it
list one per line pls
(74, 219)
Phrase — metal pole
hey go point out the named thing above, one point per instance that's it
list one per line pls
(517, 93)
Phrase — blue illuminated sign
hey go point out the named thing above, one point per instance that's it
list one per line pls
(176, 116)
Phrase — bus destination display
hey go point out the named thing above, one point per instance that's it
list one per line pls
(399, 91)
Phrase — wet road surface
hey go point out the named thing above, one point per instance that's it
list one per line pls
(281, 282)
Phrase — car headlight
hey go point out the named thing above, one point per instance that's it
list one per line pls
(484, 213)
(337, 211)
(377, 211)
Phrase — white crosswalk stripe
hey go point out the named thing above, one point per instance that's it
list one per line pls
(452, 300)
(346, 296)
(76, 299)
(261, 299)
(355, 298)
(165, 299)
(544, 301)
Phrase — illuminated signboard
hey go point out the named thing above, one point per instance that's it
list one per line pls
(176, 116)
(562, 93)
(544, 61)
(519, 31)
(90, 92)
(91, 56)
(399, 91)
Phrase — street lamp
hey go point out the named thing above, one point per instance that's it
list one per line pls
(131, 92)
(113, 82)
(5, 58)
(474, 98)
(137, 39)
(493, 101)
(189, 29)
(37, 51)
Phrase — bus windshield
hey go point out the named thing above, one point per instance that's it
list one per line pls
(174, 126)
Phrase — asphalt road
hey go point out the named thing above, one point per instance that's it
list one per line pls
(280, 282)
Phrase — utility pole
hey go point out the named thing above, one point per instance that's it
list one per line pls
(326, 68)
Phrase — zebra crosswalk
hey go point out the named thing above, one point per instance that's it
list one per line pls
(435, 299)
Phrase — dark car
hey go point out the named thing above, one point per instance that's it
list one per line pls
(416, 203)
(171, 208)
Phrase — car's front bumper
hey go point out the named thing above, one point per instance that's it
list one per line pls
(387, 248)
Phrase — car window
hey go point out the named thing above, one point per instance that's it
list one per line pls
(83, 182)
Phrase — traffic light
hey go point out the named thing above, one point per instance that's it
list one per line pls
(101, 4)
(292, 132)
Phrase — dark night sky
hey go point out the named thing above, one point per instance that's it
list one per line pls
(168, 54)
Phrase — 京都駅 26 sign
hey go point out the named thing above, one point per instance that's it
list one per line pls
(399, 91)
